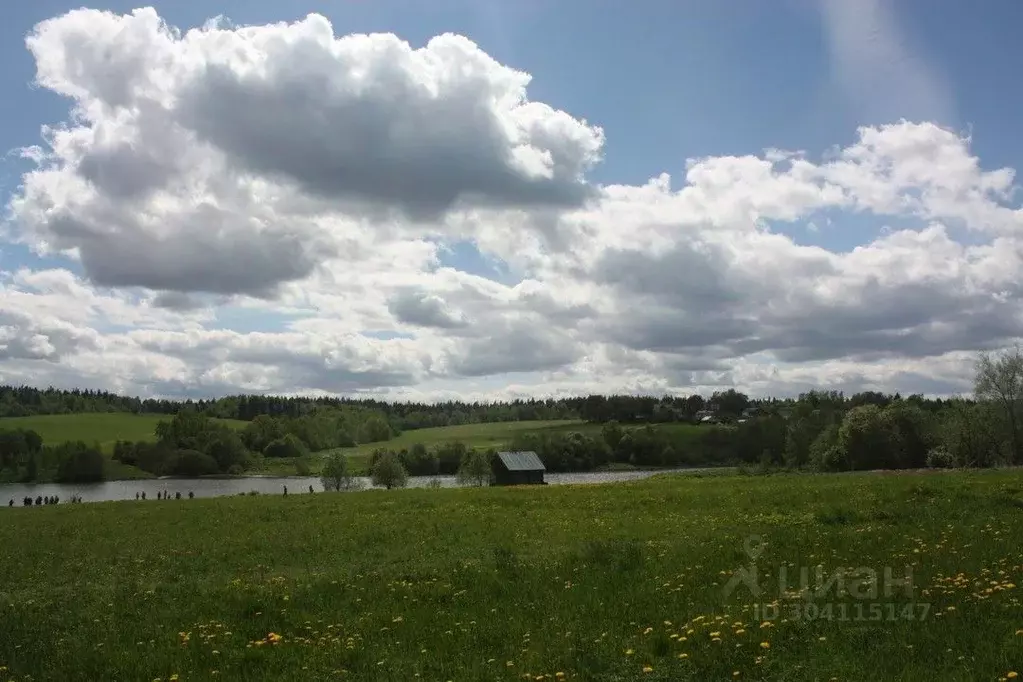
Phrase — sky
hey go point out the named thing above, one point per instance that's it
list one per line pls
(476, 199)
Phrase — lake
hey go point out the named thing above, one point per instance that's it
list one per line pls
(217, 487)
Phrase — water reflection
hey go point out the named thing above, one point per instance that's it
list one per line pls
(217, 487)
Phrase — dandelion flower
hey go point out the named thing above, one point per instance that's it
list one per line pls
(765, 645)
(647, 669)
(1012, 674)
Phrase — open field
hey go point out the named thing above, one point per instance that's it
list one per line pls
(495, 434)
(105, 428)
(617, 582)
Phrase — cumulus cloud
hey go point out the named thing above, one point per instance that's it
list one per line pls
(424, 310)
(266, 208)
(212, 160)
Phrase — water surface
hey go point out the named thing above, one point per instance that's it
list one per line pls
(272, 485)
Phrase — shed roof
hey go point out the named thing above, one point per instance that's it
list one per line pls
(521, 461)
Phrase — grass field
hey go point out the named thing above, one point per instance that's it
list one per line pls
(105, 428)
(474, 435)
(616, 582)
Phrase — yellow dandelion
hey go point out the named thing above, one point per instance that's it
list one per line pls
(683, 655)
(629, 652)
(1012, 674)
(647, 669)
(765, 645)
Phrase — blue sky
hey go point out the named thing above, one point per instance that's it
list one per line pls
(667, 81)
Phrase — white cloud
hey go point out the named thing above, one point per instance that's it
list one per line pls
(267, 208)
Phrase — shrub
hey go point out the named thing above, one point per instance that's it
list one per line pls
(336, 474)
(228, 450)
(287, 446)
(476, 468)
(374, 429)
(190, 463)
(940, 458)
(79, 463)
(388, 471)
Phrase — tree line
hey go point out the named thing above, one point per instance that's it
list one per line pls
(824, 430)
(402, 416)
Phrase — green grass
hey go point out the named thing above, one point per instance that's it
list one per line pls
(105, 428)
(594, 582)
(474, 435)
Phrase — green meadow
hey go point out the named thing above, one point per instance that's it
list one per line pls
(105, 428)
(494, 434)
(621, 581)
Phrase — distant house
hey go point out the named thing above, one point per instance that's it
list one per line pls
(518, 468)
(749, 413)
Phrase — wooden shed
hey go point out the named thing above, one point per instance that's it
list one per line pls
(518, 468)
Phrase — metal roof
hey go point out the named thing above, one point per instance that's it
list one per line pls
(521, 461)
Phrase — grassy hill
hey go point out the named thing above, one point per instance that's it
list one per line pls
(474, 435)
(603, 582)
(105, 428)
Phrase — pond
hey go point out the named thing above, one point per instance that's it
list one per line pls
(216, 487)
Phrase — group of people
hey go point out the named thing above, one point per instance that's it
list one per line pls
(40, 500)
(286, 490)
(163, 495)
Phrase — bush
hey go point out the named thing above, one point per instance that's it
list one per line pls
(228, 450)
(336, 474)
(940, 458)
(190, 463)
(287, 446)
(476, 468)
(388, 471)
(374, 430)
(79, 463)
(302, 467)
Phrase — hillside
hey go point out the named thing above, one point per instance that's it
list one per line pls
(492, 435)
(611, 582)
(105, 428)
